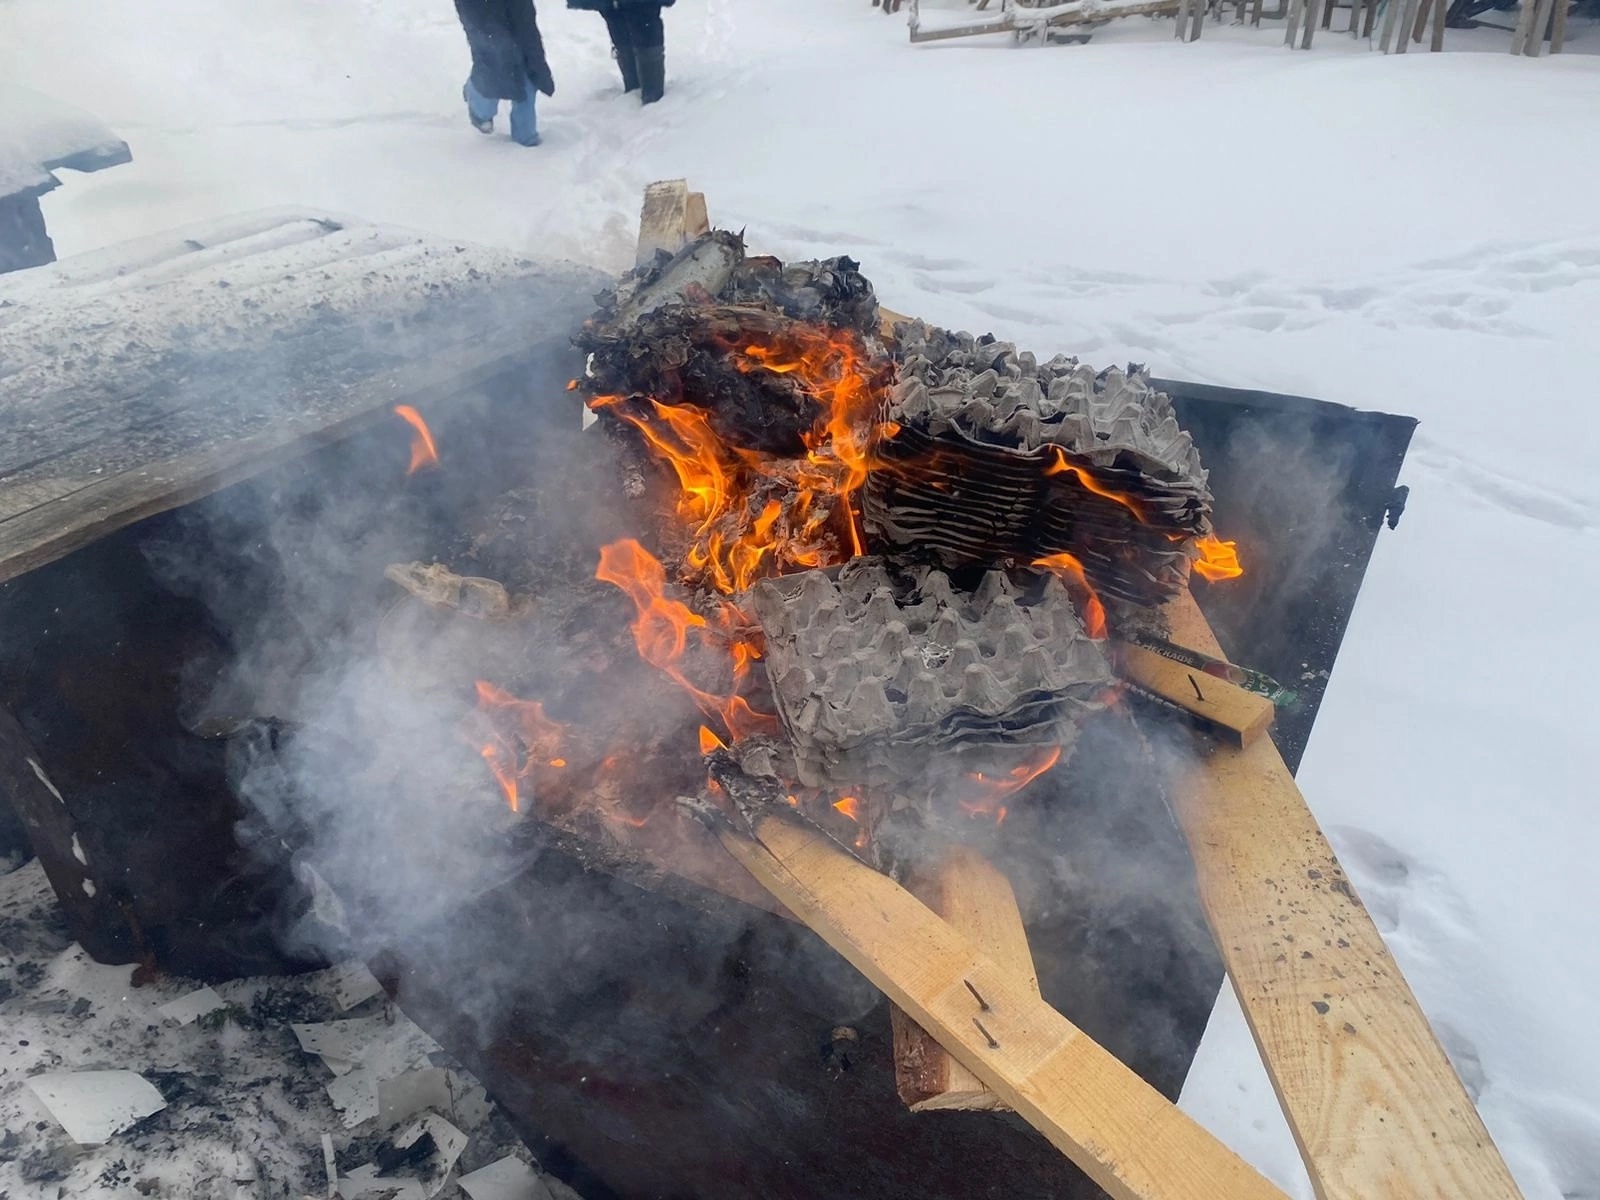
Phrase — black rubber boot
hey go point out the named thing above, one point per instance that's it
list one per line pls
(629, 68)
(652, 73)
(622, 50)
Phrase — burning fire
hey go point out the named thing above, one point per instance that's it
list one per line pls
(1218, 559)
(661, 634)
(1094, 612)
(850, 807)
(992, 790)
(423, 452)
(523, 740)
(1088, 482)
(755, 514)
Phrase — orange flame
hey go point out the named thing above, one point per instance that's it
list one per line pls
(1218, 559)
(523, 738)
(756, 514)
(991, 790)
(423, 452)
(710, 741)
(1094, 613)
(661, 634)
(1062, 467)
(850, 807)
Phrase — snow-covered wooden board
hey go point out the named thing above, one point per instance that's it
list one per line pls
(1374, 1104)
(138, 378)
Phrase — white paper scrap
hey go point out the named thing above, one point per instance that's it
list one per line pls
(508, 1178)
(409, 1092)
(364, 1181)
(95, 1106)
(185, 1010)
(450, 1141)
(355, 1095)
(353, 984)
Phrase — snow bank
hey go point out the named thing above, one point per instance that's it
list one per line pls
(40, 134)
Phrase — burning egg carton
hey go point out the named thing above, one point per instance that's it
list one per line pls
(872, 670)
(998, 457)
(987, 391)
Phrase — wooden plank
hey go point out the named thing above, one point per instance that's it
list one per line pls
(1519, 36)
(1402, 32)
(1125, 1135)
(1390, 8)
(1375, 1106)
(1534, 45)
(1558, 34)
(1440, 9)
(1222, 708)
(696, 221)
(1420, 26)
(972, 894)
(662, 219)
(54, 506)
(1292, 26)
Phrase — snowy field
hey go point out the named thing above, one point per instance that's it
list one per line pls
(1415, 234)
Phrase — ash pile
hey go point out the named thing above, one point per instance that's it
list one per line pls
(999, 456)
(874, 669)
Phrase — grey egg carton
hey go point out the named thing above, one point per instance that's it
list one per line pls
(988, 391)
(872, 669)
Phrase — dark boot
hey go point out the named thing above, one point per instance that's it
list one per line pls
(622, 49)
(652, 73)
(629, 68)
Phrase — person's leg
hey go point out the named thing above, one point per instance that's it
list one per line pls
(524, 124)
(649, 38)
(618, 26)
(481, 109)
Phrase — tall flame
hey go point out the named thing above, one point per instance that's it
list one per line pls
(423, 452)
(1094, 612)
(756, 514)
(1218, 559)
(661, 634)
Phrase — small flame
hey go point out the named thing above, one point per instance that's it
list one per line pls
(850, 807)
(1094, 613)
(710, 741)
(991, 790)
(1218, 559)
(1087, 481)
(523, 737)
(423, 452)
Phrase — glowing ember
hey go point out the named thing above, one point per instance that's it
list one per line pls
(1218, 559)
(423, 452)
(755, 514)
(850, 807)
(985, 792)
(661, 634)
(1094, 613)
(523, 739)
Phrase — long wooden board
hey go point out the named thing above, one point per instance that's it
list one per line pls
(974, 895)
(1224, 708)
(1375, 1106)
(1124, 1134)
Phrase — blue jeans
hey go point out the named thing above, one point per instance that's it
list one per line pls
(524, 125)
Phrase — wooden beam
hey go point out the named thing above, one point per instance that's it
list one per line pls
(1440, 9)
(1222, 708)
(1124, 1134)
(972, 894)
(1375, 1106)
(696, 221)
(1558, 32)
(663, 220)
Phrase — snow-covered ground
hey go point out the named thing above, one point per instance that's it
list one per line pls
(1417, 234)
